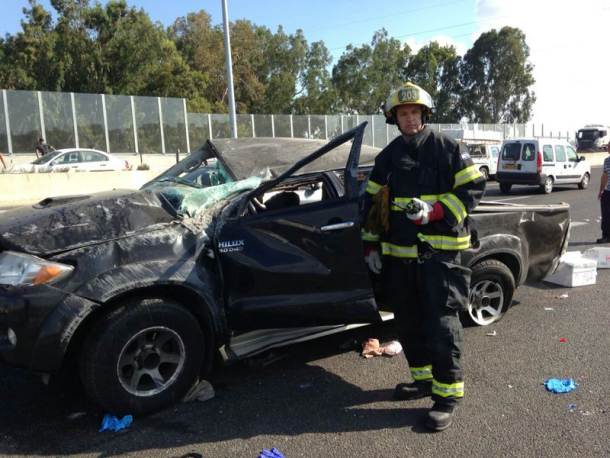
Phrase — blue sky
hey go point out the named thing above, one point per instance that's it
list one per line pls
(337, 22)
(567, 39)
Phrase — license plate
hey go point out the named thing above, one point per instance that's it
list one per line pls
(510, 166)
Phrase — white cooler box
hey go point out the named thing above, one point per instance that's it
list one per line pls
(574, 270)
(601, 255)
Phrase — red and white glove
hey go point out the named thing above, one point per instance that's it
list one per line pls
(427, 213)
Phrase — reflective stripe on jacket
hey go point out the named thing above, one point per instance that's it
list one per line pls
(433, 169)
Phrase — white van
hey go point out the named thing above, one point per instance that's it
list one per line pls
(542, 162)
(483, 146)
(485, 156)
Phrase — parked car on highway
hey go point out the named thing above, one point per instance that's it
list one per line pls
(143, 289)
(74, 159)
(541, 162)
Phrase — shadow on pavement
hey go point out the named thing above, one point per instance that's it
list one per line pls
(288, 397)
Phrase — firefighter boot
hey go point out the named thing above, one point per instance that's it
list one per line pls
(410, 391)
(440, 416)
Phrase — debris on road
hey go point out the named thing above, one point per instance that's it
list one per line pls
(273, 453)
(492, 333)
(112, 423)
(600, 254)
(548, 309)
(563, 340)
(571, 407)
(391, 348)
(202, 391)
(556, 385)
(372, 348)
(562, 296)
(574, 270)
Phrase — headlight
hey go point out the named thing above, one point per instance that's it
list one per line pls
(20, 269)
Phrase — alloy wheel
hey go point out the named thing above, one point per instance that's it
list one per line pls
(151, 361)
(486, 302)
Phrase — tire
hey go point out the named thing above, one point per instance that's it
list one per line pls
(492, 286)
(584, 183)
(142, 339)
(547, 187)
(505, 188)
(485, 172)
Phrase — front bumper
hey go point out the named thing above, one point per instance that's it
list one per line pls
(533, 179)
(36, 323)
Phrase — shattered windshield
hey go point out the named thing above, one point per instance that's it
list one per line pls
(210, 174)
(190, 200)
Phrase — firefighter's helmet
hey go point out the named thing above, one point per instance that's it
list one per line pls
(408, 93)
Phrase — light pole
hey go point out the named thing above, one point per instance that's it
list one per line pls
(229, 65)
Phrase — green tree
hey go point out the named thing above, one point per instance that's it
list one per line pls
(201, 45)
(496, 77)
(76, 56)
(27, 58)
(137, 56)
(365, 75)
(285, 58)
(318, 93)
(436, 68)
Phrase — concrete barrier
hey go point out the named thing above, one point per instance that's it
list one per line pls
(24, 188)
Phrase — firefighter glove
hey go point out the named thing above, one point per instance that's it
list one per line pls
(373, 261)
(427, 213)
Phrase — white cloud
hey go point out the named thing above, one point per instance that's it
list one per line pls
(570, 51)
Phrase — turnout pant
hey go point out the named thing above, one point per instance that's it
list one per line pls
(605, 204)
(427, 295)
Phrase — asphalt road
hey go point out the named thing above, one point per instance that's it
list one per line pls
(322, 399)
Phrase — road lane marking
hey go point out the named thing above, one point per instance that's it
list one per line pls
(578, 223)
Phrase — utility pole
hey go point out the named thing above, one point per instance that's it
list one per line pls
(229, 65)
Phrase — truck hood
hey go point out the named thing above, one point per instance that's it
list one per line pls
(62, 223)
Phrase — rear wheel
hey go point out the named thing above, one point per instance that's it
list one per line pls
(584, 183)
(142, 357)
(547, 186)
(505, 188)
(492, 287)
(485, 172)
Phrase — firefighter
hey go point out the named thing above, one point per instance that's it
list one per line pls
(430, 188)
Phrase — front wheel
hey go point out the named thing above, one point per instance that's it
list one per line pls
(491, 291)
(142, 357)
(505, 188)
(584, 183)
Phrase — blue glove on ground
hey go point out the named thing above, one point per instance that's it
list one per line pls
(112, 423)
(273, 453)
(557, 385)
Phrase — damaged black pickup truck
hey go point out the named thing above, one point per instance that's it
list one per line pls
(243, 246)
